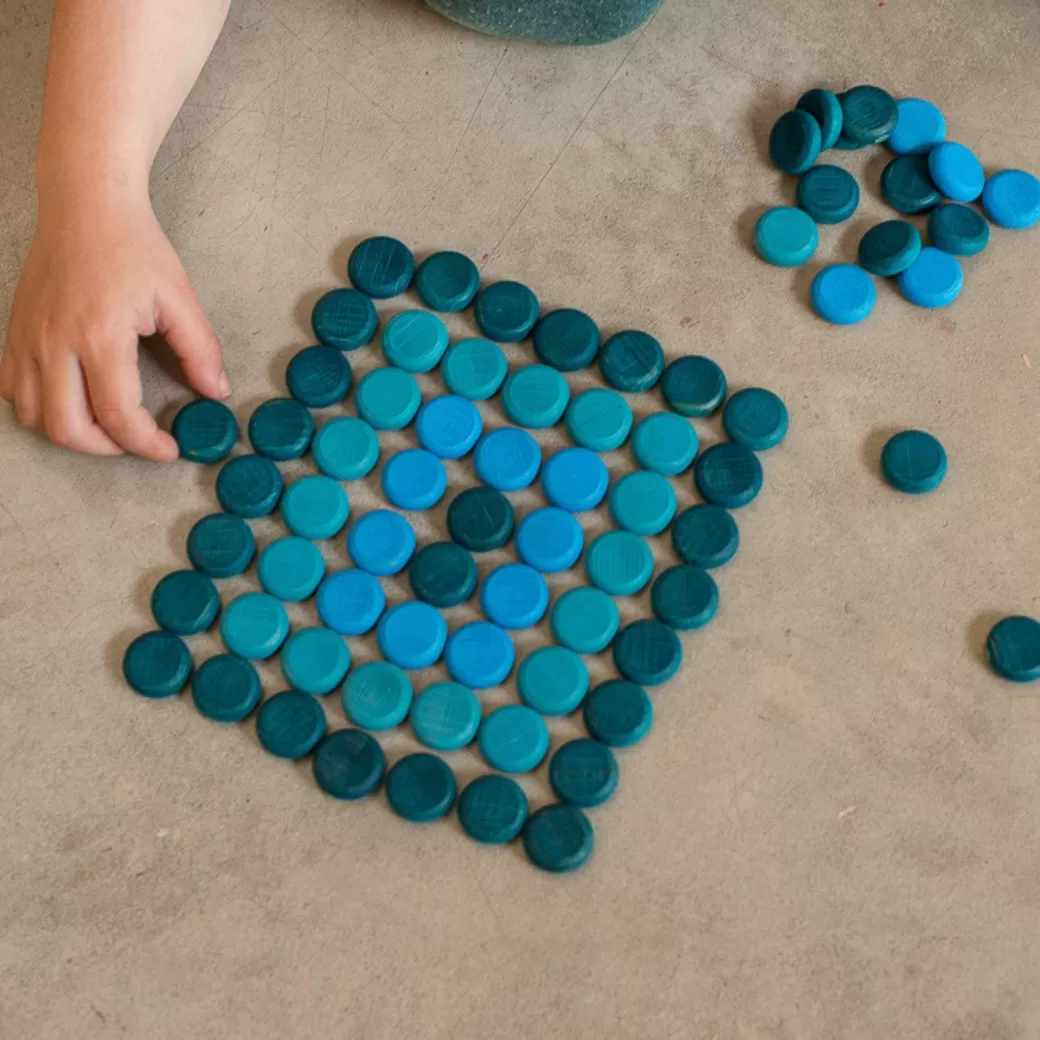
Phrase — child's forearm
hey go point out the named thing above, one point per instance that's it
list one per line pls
(118, 73)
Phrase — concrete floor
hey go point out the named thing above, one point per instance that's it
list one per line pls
(832, 831)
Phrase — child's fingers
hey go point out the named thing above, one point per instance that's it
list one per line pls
(7, 376)
(27, 395)
(67, 419)
(183, 322)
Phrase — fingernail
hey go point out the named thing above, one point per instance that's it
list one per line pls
(225, 385)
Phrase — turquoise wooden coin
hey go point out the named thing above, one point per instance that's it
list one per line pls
(907, 186)
(474, 368)
(281, 429)
(828, 194)
(559, 838)
(618, 713)
(705, 535)
(956, 171)
(889, 248)
(647, 652)
(584, 620)
(226, 688)
(449, 426)
(920, 126)
(388, 398)
(619, 562)
(344, 319)
(412, 635)
(290, 724)
(205, 431)
(914, 462)
(786, 236)
(479, 655)
(249, 486)
(550, 540)
(185, 603)
(1011, 198)
(443, 574)
(869, 114)
(447, 282)
(631, 361)
(665, 443)
(254, 625)
(346, 448)
(421, 788)
(535, 396)
(642, 502)
(315, 660)
(415, 341)
(553, 680)
(1013, 647)
(506, 311)
(693, 386)
(414, 479)
(583, 772)
(290, 569)
(157, 664)
(480, 518)
(513, 739)
(934, 279)
(566, 339)
(843, 294)
(319, 376)
(350, 601)
(381, 267)
(599, 420)
(514, 596)
(221, 546)
(508, 459)
(493, 809)
(728, 475)
(794, 142)
(756, 418)
(381, 542)
(957, 229)
(825, 108)
(685, 597)
(445, 716)
(377, 696)
(315, 507)
(575, 479)
(349, 764)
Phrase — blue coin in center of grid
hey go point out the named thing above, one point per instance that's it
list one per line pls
(415, 341)
(350, 601)
(414, 479)
(381, 542)
(575, 479)
(549, 539)
(479, 655)
(514, 596)
(449, 426)
(508, 459)
(412, 635)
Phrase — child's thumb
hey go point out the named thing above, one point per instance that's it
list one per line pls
(188, 331)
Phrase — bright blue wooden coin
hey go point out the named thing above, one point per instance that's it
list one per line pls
(619, 562)
(907, 185)
(756, 418)
(647, 652)
(575, 479)
(346, 448)
(249, 486)
(583, 772)
(185, 603)
(315, 660)
(315, 507)
(957, 229)
(508, 459)
(474, 368)
(631, 361)
(825, 108)
(514, 596)
(377, 696)
(290, 569)
(828, 194)
(480, 518)
(934, 279)
(506, 311)
(535, 396)
(319, 376)
(381, 542)
(205, 431)
(221, 546)
(693, 386)
(559, 838)
(549, 539)
(388, 398)
(1011, 199)
(226, 688)
(1013, 647)
(619, 713)
(956, 171)
(553, 680)
(914, 462)
(493, 809)
(584, 620)
(786, 236)
(599, 420)
(412, 635)
(705, 535)
(890, 247)
(794, 142)
(869, 114)
(449, 426)
(728, 475)
(685, 597)
(344, 319)
(566, 339)
(479, 655)
(381, 267)
(447, 282)
(642, 502)
(421, 788)
(443, 574)
(254, 625)
(414, 479)
(513, 739)
(665, 443)
(415, 340)
(281, 429)
(290, 724)
(843, 294)
(350, 601)
(349, 764)
(157, 664)
(920, 126)
(445, 716)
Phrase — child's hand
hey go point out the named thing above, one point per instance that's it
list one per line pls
(98, 277)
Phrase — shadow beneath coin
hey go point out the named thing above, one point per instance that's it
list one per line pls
(870, 453)
(978, 632)
(115, 649)
(802, 282)
(145, 585)
(767, 109)
(851, 234)
(341, 256)
(746, 226)
(872, 172)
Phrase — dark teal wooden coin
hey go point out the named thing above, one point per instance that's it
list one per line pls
(728, 475)
(618, 713)
(828, 194)
(705, 535)
(381, 267)
(205, 431)
(914, 462)
(845, 144)
(647, 652)
(825, 108)
(157, 664)
(447, 282)
(290, 724)
(583, 772)
(958, 229)
(566, 339)
(889, 248)
(506, 311)
(443, 574)
(907, 186)
(421, 788)
(226, 688)
(869, 114)
(1014, 648)
(685, 597)
(693, 386)
(319, 376)
(185, 603)
(349, 764)
(221, 545)
(559, 838)
(631, 361)
(794, 141)
(480, 519)
(249, 486)
(756, 418)
(344, 319)
(493, 809)
(281, 429)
